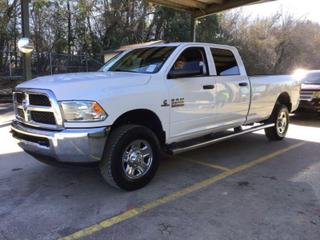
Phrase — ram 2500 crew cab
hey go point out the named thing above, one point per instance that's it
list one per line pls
(173, 97)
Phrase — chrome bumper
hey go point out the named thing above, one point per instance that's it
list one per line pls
(67, 145)
(313, 104)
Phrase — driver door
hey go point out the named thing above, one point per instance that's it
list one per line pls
(191, 92)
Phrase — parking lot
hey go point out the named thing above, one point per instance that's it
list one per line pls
(244, 188)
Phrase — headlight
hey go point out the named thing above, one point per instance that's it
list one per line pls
(316, 94)
(83, 111)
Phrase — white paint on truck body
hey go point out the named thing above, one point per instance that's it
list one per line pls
(204, 111)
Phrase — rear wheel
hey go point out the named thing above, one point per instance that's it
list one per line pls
(131, 157)
(280, 117)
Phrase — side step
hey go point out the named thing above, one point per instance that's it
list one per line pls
(200, 142)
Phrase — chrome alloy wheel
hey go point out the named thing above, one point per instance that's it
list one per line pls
(282, 123)
(137, 159)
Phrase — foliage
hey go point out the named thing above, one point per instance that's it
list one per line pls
(276, 44)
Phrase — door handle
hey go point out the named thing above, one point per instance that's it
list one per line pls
(207, 87)
(243, 84)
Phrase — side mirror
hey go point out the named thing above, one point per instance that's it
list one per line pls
(182, 73)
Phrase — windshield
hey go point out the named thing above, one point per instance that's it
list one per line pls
(142, 60)
(312, 78)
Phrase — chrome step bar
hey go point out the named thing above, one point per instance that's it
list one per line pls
(178, 150)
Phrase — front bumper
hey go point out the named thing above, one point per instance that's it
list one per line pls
(313, 104)
(67, 145)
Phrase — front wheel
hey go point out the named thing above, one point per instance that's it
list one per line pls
(131, 157)
(280, 117)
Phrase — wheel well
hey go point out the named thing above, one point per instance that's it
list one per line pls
(143, 117)
(284, 99)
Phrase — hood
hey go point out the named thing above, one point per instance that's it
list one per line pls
(80, 85)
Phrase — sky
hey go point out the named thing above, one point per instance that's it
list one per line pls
(304, 9)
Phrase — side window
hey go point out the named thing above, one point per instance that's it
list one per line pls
(192, 59)
(226, 63)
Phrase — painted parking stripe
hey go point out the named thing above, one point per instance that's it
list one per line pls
(209, 165)
(174, 196)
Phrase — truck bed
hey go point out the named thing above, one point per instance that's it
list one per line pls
(265, 90)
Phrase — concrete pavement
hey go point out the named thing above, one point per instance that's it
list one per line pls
(278, 198)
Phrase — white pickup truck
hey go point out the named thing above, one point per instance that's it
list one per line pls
(170, 97)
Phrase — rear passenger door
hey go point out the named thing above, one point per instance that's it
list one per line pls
(232, 89)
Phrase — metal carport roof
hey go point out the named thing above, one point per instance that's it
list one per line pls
(202, 8)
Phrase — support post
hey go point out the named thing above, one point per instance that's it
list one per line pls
(26, 33)
(194, 23)
(10, 66)
(50, 60)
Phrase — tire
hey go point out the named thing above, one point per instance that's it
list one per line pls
(123, 165)
(280, 117)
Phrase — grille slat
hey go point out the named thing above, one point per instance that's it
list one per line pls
(20, 97)
(306, 95)
(43, 117)
(20, 113)
(39, 100)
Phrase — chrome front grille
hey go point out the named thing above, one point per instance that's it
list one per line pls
(37, 108)
(306, 95)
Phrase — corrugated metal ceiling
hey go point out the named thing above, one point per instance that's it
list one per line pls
(201, 8)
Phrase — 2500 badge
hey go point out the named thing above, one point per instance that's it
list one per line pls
(178, 102)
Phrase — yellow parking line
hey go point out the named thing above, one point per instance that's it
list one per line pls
(209, 165)
(173, 196)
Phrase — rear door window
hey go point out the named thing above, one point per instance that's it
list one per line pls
(225, 62)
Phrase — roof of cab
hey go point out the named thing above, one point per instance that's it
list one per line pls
(168, 44)
(177, 44)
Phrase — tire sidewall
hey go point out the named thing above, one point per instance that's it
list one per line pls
(117, 170)
(282, 109)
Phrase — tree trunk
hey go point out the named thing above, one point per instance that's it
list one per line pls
(69, 28)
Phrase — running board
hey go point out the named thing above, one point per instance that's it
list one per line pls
(176, 149)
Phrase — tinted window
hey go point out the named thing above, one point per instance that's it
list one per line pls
(193, 58)
(143, 60)
(225, 62)
(312, 78)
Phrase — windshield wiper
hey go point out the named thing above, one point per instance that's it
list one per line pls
(120, 70)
